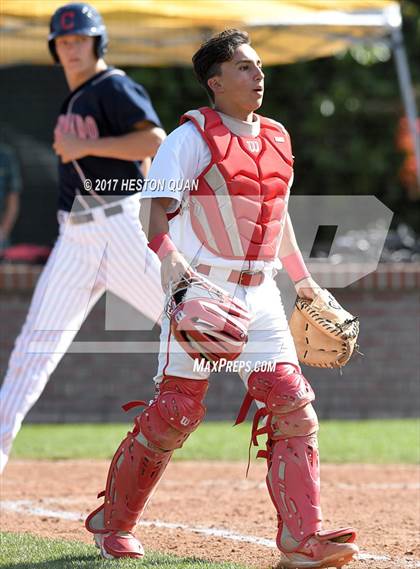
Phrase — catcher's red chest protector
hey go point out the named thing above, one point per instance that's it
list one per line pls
(238, 209)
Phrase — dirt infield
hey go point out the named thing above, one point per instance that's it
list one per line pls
(205, 509)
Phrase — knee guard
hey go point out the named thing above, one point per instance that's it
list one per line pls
(143, 455)
(175, 413)
(283, 392)
(297, 423)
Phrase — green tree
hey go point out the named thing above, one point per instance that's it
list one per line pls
(342, 112)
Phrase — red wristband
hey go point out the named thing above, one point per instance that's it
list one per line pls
(162, 245)
(295, 266)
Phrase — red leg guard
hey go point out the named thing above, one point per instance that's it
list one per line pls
(142, 457)
(293, 484)
(293, 470)
(292, 450)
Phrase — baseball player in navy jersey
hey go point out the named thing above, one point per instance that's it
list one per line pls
(218, 255)
(104, 137)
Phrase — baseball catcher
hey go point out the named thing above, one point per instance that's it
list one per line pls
(230, 229)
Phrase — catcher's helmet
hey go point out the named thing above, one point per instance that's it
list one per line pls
(80, 19)
(211, 325)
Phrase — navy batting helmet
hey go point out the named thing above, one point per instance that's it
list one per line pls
(80, 19)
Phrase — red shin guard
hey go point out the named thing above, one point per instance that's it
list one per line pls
(142, 457)
(293, 484)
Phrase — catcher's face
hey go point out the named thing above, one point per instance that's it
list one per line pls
(76, 53)
(240, 85)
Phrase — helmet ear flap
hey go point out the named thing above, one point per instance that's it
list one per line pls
(53, 51)
(101, 45)
(97, 47)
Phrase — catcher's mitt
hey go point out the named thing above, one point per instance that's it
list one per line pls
(324, 333)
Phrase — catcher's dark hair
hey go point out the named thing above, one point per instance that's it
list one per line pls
(215, 51)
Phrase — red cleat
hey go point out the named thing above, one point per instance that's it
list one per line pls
(115, 545)
(322, 550)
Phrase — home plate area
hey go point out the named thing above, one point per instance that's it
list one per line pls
(210, 510)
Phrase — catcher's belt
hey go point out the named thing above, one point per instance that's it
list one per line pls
(324, 334)
(242, 278)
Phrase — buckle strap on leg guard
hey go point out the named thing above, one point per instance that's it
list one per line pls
(131, 404)
(256, 432)
(243, 411)
(341, 535)
(265, 430)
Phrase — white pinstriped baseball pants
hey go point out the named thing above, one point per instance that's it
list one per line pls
(109, 253)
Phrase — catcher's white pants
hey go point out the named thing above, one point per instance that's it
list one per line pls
(109, 253)
(269, 337)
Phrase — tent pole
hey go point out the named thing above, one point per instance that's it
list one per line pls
(407, 92)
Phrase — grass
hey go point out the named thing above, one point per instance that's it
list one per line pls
(375, 441)
(370, 441)
(23, 551)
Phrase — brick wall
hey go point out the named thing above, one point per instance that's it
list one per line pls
(91, 387)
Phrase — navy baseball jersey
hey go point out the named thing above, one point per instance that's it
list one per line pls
(108, 104)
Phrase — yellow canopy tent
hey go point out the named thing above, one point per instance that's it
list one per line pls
(167, 32)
